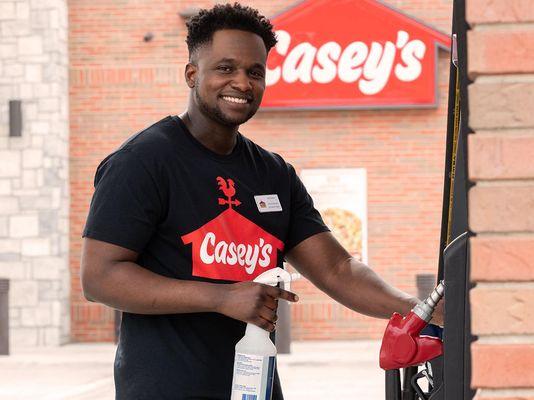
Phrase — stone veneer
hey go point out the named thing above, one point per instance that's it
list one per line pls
(34, 170)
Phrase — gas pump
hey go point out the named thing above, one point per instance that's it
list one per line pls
(441, 357)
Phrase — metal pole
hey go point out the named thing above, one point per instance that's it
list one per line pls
(4, 317)
(425, 284)
(15, 118)
(117, 324)
(283, 328)
(393, 385)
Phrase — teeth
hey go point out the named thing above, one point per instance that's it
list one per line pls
(235, 100)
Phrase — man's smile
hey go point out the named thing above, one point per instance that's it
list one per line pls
(236, 99)
(232, 99)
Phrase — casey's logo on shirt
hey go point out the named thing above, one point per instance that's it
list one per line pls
(249, 256)
(230, 246)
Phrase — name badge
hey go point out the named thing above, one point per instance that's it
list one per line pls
(268, 203)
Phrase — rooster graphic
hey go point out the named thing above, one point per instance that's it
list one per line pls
(227, 187)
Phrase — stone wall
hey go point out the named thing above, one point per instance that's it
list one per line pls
(501, 204)
(34, 170)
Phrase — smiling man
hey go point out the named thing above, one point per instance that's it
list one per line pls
(188, 212)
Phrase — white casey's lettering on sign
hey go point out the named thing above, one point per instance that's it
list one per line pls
(231, 253)
(370, 67)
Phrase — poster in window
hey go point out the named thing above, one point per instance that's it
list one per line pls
(340, 195)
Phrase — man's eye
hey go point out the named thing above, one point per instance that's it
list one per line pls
(257, 74)
(224, 68)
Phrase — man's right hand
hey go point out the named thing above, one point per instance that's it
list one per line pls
(253, 302)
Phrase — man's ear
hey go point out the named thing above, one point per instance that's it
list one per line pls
(190, 74)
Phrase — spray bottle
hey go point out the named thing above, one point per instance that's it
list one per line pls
(255, 353)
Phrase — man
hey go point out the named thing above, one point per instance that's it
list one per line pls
(187, 212)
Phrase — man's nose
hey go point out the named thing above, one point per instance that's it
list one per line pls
(242, 81)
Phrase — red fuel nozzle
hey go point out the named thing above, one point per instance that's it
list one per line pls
(401, 345)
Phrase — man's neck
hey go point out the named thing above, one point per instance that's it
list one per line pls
(218, 138)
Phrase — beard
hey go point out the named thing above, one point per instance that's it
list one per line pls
(215, 113)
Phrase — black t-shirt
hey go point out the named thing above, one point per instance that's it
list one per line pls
(196, 215)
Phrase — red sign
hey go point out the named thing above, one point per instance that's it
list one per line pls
(351, 54)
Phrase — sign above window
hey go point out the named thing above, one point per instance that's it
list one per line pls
(351, 54)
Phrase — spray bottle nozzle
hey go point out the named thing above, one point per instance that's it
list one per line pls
(276, 275)
(277, 279)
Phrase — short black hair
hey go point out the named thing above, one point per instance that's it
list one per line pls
(202, 26)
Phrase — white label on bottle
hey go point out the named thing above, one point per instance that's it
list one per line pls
(253, 377)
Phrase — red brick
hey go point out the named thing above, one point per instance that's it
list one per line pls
(506, 208)
(502, 366)
(501, 258)
(500, 51)
(488, 11)
(502, 156)
(505, 310)
(502, 103)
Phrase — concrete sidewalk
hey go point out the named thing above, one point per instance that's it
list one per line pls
(313, 371)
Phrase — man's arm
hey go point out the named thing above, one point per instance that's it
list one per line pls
(323, 260)
(110, 275)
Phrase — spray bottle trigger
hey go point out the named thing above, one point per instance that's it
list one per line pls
(277, 275)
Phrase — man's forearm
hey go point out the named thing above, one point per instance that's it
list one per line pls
(358, 287)
(126, 286)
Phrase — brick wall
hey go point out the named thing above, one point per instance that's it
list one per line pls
(119, 84)
(501, 204)
(34, 169)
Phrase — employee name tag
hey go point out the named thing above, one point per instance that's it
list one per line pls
(268, 203)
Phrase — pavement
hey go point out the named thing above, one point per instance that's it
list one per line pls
(315, 370)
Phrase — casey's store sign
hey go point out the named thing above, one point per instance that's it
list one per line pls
(351, 54)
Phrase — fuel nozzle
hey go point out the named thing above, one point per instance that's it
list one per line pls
(425, 309)
(402, 345)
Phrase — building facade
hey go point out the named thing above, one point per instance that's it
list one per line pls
(125, 71)
(121, 83)
(87, 79)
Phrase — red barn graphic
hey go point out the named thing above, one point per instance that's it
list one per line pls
(230, 246)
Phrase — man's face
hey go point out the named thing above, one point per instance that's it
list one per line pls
(229, 76)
